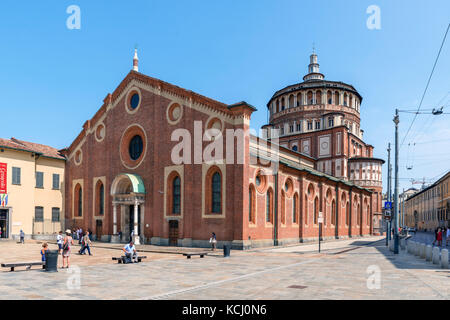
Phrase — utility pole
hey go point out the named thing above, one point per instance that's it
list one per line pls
(388, 227)
(396, 121)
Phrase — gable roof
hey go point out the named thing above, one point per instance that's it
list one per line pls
(163, 86)
(40, 149)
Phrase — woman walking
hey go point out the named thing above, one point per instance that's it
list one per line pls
(213, 241)
(67, 244)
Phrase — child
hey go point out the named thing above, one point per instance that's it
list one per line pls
(44, 249)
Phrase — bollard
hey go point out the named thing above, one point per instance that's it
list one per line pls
(410, 246)
(428, 252)
(417, 249)
(444, 259)
(436, 255)
(422, 250)
(403, 243)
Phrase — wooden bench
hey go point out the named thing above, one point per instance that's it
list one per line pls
(122, 259)
(23, 264)
(201, 254)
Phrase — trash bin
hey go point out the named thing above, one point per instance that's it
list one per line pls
(226, 251)
(51, 260)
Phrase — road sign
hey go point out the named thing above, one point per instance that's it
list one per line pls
(388, 205)
(320, 220)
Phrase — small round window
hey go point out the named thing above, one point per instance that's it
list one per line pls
(136, 147)
(258, 181)
(134, 101)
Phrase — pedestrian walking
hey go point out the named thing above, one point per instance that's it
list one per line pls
(80, 235)
(59, 241)
(435, 235)
(67, 244)
(439, 237)
(447, 237)
(213, 241)
(86, 242)
(22, 237)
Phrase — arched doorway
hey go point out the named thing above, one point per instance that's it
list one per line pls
(128, 198)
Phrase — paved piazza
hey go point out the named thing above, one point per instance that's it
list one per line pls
(340, 271)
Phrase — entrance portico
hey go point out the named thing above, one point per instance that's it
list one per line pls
(128, 196)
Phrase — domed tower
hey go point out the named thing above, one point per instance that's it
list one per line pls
(321, 118)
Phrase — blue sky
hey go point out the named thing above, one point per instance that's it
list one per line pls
(53, 79)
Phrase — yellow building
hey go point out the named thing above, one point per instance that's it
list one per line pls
(430, 207)
(31, 189)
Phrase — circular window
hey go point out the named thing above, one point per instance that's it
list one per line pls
(260, 182)
(133, 146)
(174, 113)
(289, 187)
(100, 132)
(78, 157)
(134, 101)
(136, 147)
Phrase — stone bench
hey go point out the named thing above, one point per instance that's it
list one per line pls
(28, 265)
(123, 259)
(201, 254)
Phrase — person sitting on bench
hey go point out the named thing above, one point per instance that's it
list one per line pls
(130, 252)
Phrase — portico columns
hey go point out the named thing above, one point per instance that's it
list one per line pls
(136, 238)
(115, 237)
(114, 218)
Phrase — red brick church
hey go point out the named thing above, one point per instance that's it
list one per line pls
(170, 166)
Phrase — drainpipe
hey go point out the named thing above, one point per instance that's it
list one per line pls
(275, 213)
(338, 205)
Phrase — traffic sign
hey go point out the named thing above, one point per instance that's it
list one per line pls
(320, 220)
(388, 205)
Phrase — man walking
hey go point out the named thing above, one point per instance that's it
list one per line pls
(86, 244)
(22, 237)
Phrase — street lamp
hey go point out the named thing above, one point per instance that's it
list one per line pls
(396, 121)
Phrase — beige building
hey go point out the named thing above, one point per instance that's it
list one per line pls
(430, 207)
(31, 189)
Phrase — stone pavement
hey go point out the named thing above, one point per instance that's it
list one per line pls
(341, 271)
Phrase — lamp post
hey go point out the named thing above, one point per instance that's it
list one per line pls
(395, 216)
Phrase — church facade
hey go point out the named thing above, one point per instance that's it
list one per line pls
(168, 166)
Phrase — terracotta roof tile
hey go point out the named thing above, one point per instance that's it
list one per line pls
(44, 150)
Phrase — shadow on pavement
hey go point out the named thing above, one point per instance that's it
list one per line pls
(404, 260)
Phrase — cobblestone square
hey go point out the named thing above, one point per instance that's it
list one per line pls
(340, 271)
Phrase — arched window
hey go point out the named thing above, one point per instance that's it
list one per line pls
(306, 209)
(299, 99)
(294, 208)
(291, 101)
(316, 210)
(216, 193)
(78, 208)
(251, 204)
(333, 212)
(176, 195)
(359, 215)
(269, 201)
(336, 98)
(347, 214)
(318, 97)
(100, 198)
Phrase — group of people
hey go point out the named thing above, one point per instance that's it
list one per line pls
(439, 234)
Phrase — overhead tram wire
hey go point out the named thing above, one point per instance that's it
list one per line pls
(428, 84)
